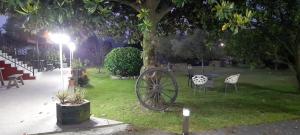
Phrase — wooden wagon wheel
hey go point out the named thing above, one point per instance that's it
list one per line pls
(156, 89)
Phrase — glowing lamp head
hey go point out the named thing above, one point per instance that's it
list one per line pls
(59, 38)
(185, 112)
(222, 44)
(72, 46)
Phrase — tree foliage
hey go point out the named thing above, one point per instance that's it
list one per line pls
(195, 45)
(277, 33)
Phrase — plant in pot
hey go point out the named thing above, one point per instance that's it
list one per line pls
(77, 70)
(72, 107)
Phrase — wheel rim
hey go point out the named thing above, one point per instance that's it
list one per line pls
(156, 89)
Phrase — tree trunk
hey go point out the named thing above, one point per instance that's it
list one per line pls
(149, 43)
(298, 66)
(298, 79)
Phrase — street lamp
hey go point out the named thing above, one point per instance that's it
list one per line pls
(60, 39)
(72, 48)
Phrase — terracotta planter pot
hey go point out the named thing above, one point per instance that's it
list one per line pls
(72, 83)
(67, 114)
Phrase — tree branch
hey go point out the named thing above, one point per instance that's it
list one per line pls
(285, 45)
(164, 12)
(152, 4)
(156, 4)
(127, 3)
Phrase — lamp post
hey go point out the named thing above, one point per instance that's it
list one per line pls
(60, 39)
(185, 123)
(72, 48)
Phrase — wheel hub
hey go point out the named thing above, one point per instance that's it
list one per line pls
(156, 88)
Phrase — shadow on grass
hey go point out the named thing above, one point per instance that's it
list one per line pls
(257, 87)
(175, 107)
(88, 86)
(249, 98)
(262, 106)
(242, 106)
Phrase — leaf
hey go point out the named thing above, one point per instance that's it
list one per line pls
(236, 30)
(211, 1)
(179, 3)
(225, 26)
(139, 1)
(91, 6)
(60, 19)
(21, 12)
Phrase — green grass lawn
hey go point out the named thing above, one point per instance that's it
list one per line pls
(264, 96)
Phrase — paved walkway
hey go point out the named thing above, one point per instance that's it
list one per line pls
(291, 127)
(31, 108)
(22, 109)
(122, 129)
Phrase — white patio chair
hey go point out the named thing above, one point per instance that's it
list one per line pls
(200, 81)
(232, 80)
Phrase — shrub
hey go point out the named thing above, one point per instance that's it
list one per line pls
(125, 61)
(83, 80)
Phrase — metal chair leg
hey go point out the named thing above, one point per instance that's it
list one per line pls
(225, 88)
(9, 84)
(236, 88)
(194, 90)
(16, 83)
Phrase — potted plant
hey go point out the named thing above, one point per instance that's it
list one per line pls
(79, 74)
(72, 107)
(77, 70)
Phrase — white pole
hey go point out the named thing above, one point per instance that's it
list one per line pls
(70, 59)
(61, 66)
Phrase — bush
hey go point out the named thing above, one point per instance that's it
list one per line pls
(83, 80)
(125, 61)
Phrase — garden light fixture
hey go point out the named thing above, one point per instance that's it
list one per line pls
(72, 48)
(60, 39)
(185, 123)
(222, 44)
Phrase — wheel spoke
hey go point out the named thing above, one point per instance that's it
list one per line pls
(156, 80)
(147, 82)
(171, 90)
(166, 94)
(166, 84)
(147, 98)
(145, 87)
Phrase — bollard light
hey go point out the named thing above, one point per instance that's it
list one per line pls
(185, 123)
(185, 112)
